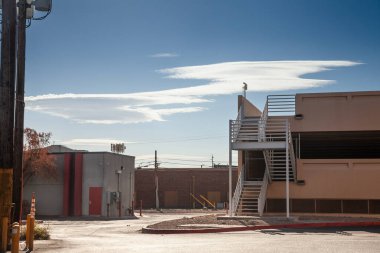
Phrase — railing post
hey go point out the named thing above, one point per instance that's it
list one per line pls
(287, 169)
(230, 172)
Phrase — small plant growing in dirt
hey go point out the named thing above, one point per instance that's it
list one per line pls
(41, 232)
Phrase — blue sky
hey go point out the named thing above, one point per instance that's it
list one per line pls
(103, 71)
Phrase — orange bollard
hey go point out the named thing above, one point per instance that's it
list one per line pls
(31, 234)
(4, 234)
(15, 237)
(33, 206)
(27, 231)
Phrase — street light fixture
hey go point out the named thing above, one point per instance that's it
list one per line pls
(118, 173)
(43, 5)
(31, 6)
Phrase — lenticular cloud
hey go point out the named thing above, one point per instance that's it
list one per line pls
(220, 79)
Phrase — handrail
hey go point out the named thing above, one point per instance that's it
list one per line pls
(207, 201)
(280, 105)
(263, 121)
(268, 163)
(200, 202)
(263, 194)
(240, 113)
(239, 117)
(258, 130)
(292, 155)
(238, 190)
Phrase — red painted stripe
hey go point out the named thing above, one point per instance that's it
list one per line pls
(78, 184)
(66, 184)
(236, 229)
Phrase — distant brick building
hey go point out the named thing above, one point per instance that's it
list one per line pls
(176, 184)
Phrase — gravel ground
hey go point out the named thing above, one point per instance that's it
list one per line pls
(209, 221)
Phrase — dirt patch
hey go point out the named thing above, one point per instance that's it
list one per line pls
(185, 222)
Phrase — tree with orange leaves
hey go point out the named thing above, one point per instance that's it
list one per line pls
(36, 160)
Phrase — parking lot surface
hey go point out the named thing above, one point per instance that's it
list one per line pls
(125, 236)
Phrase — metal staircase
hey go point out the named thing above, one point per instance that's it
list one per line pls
(271, 134)
(249, 203)
(277, 165)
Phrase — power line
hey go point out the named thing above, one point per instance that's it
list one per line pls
(182, 164)
(185, 160)
(178, 140)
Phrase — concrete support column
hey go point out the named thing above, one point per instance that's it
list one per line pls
(287, 169)
(230, 172)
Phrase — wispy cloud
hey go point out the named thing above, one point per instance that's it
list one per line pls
(221, 78)
(164, 55)
(227, 77)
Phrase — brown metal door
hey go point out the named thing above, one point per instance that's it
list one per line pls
(171, 199)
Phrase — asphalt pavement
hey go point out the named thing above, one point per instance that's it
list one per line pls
(125, 236)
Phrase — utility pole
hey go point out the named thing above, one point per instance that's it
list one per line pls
(156, 180)
(212, 161)
(11, 132)
(19, 114)
(6, 116)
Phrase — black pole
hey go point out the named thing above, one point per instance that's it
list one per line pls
(19, 115)
(12, 61)
(156, 180)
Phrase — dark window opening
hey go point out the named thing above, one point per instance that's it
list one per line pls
(337, 145)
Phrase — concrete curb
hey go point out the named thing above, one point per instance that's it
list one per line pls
(236, 229)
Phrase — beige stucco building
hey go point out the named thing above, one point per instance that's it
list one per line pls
(308, 153)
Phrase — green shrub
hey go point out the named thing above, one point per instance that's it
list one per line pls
(41, 232)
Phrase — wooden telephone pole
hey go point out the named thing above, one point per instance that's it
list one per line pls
(7, 88)
(13, 37)
(19, 114)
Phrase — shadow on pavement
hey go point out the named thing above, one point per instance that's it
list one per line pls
(335, 230)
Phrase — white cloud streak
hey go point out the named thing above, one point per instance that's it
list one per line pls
(220, 79)
(164, 55)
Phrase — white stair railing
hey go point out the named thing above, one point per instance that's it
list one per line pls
(263, 194)
(281, 105)
(256, 130)
(292, 155)
(263, 121)
(238, 190)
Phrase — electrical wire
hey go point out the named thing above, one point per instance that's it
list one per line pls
(179, 140)
(188, 164)
(185, 160)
